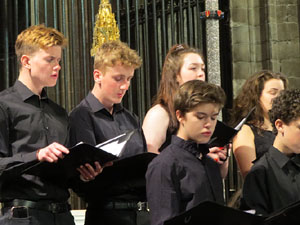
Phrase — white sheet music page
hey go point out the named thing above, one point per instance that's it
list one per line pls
(116, 145)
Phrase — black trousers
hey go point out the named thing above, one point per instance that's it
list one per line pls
(34, 217)
(116, 217)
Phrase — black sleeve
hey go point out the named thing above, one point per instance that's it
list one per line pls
(255, 192)
(162, 192)
(11, 165)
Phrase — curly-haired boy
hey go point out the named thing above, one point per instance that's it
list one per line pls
(274, 180)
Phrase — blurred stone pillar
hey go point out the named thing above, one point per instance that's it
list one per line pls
(213, 44)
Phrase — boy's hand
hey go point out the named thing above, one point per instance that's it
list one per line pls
(52, 152)
(88, 173)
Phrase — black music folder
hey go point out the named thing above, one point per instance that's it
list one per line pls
(125, 171)
(211, 213)
(107, 151)
(223, 133)
(289, 215)
(83, 153)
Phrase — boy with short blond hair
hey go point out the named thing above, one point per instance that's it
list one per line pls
(111, 53)
(183, 175)
(99, 117)
(274, 180)
(33, 129)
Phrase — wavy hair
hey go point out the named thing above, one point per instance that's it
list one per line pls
(113, 52)
(249, 97)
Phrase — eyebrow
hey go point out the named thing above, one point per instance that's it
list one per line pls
(122, 75)
(52, 57)
(205, 114)
(273, 89)
(197, 63)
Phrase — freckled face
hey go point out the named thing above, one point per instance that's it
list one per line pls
(192, 69)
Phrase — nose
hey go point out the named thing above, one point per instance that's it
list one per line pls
(208, 123)
(125, 85)
(201, 75)
(57, 67)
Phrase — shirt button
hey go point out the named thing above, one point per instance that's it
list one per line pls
(47, 128)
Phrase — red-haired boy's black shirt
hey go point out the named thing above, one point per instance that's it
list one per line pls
(29, 123)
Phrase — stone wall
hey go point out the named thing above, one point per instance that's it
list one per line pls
(265, 35)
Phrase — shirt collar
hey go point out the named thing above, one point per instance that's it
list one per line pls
(296, 159)
(198, 150)
(96, 105)
(282, 159)
(26, 93)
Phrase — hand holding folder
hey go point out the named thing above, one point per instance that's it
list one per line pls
(223, 134)
(109, 150)
(83, 153)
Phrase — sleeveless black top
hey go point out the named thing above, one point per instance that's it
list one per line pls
(263, 139)
(167, 141)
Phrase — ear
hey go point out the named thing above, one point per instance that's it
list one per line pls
(179, 116)
(25, 61)
(98, 76)
(279, 124)
(178, 79)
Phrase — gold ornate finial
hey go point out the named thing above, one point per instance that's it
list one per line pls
(106, 28)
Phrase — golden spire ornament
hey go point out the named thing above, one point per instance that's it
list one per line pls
(105, 28)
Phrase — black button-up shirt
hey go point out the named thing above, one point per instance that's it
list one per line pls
(180, 178)
(91, 123)
(28, 123)
(273, 182)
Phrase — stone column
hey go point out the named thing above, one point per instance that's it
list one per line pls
(212, 45)
(213, 55)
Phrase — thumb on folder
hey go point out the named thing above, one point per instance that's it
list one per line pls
(89, 173)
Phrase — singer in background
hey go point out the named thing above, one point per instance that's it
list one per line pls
(182, 63)
(256, 135)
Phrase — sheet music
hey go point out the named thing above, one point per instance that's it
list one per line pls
(116, 144)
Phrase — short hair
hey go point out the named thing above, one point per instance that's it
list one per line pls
(37, 37)
(195, 92)
(113, 52)
(286, 107)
